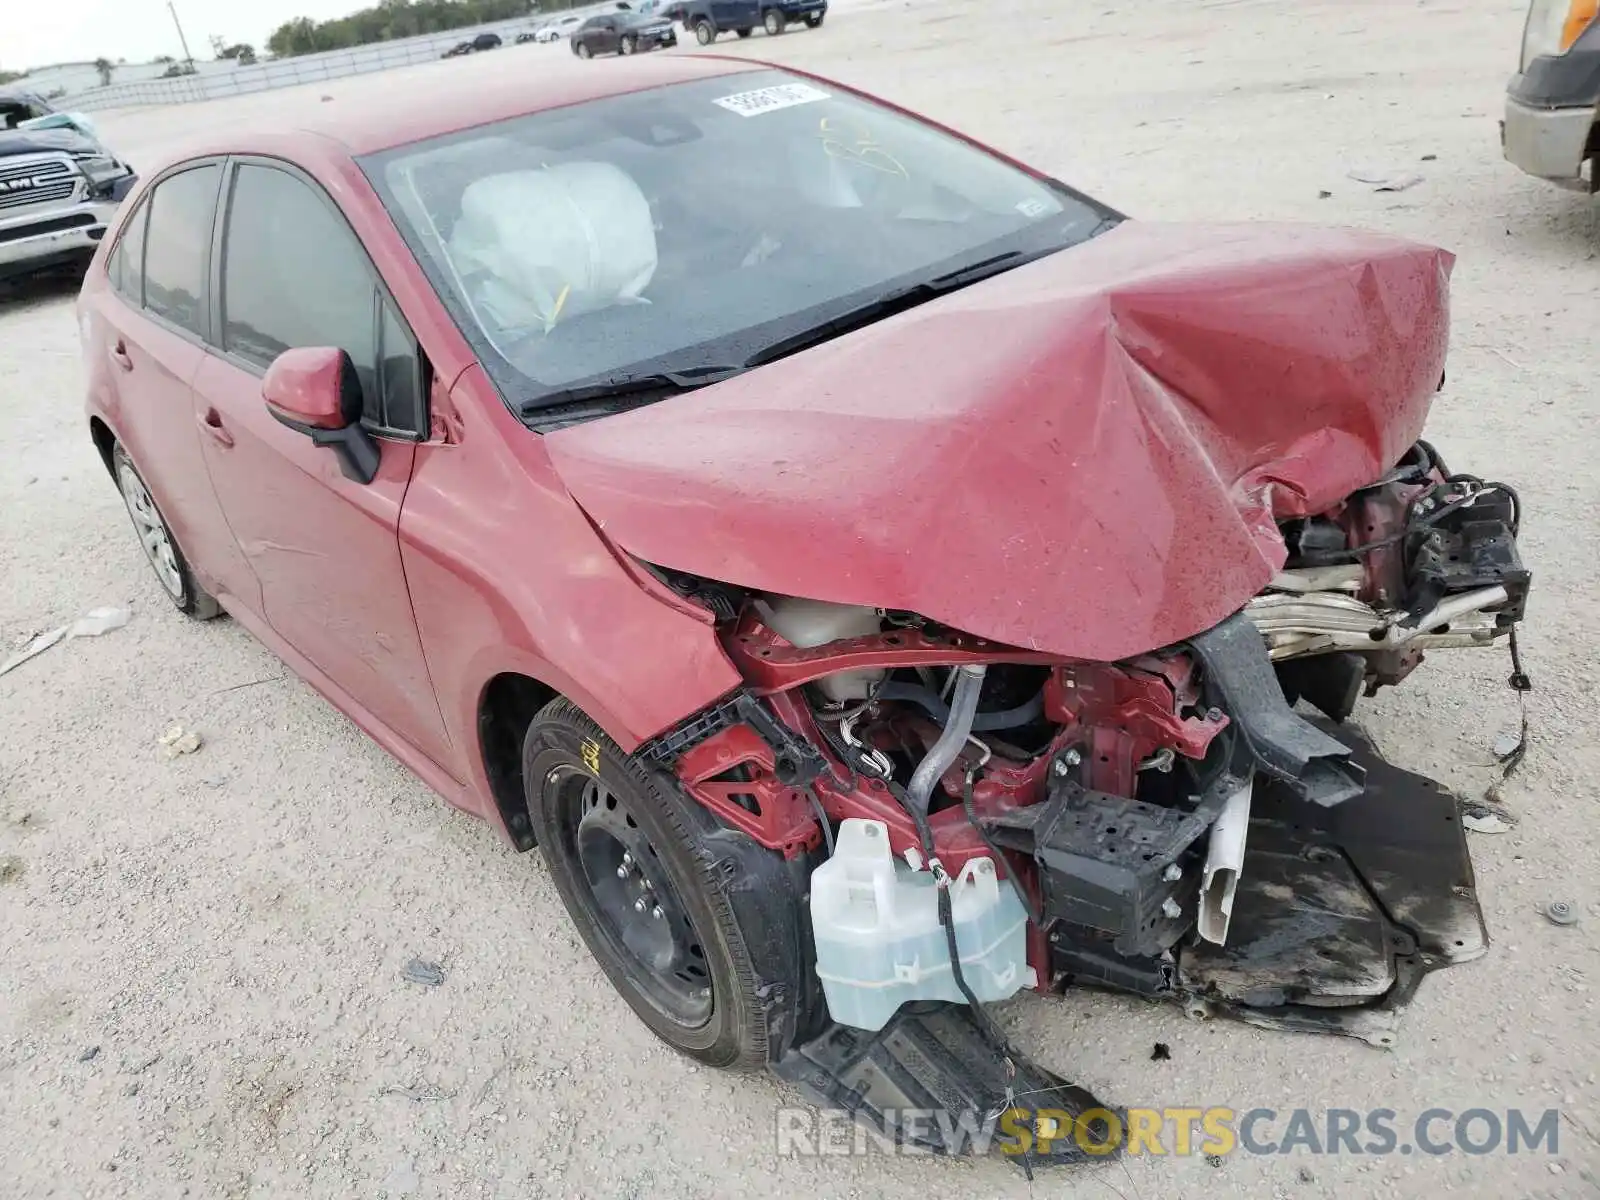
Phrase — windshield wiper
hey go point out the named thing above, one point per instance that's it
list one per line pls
(894, 301)
(622, 391)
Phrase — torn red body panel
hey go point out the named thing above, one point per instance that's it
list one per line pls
(1084, 456)
(731, 773)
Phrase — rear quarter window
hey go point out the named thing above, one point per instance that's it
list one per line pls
(126, 268)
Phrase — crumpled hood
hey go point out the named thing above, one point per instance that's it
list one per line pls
(45, 141)
(1086, 455)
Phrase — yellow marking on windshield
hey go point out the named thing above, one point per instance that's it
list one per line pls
(865, 149)
(555, 313)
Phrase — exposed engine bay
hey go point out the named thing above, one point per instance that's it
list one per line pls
(1169, 823)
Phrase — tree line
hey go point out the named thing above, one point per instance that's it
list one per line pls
(395, 19)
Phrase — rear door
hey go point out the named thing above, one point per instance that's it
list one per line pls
(289, 273)
(154, 341)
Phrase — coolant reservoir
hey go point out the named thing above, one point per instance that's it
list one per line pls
(878, 937)
(807, 623)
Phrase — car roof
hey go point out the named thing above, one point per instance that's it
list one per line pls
(441, 99)
(12, 95)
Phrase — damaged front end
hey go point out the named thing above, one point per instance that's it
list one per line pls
(1168, 825)
(60, 187)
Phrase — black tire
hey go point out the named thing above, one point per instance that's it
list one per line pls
(704, 32)
(814, 19)
(165, 557)
(628, 45)
(589, 802)
(774, 22)
(746, 31)
(582, 50)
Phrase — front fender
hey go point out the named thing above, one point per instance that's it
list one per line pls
(508, 575)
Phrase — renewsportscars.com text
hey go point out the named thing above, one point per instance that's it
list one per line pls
(1178, 1131)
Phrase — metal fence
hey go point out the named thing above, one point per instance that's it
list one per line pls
(305, 68)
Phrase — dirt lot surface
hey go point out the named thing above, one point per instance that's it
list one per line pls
(200, 959)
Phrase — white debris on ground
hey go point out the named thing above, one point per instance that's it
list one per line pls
(1386, 180)
(234, 946)
(92, 624)
(178, 741)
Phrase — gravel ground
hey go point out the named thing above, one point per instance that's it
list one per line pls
(201, 989)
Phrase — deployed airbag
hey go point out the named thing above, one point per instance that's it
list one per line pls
(554, 243)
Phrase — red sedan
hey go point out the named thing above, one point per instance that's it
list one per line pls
(871, 570)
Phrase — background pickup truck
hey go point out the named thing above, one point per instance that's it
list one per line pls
(708, 18)
(58, 186)
(1552, 122)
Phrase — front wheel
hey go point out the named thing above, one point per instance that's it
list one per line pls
(160, 547)
(624, 849)
(704, 33)
(629, 45)
(582, 50)
(774, 22)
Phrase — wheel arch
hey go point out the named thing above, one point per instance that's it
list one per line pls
(507, 705)
(104, 441)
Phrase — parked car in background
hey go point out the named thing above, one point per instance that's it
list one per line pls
(59, 186)
(777, 15)
(527, 35)
(1552, 122)
(622, 33)
(708, 18)
(556, 30)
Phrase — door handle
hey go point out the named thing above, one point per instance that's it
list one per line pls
(120, 355)
(210, 422)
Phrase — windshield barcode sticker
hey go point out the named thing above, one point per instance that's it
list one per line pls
(770, 99)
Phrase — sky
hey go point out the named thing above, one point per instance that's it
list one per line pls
(37, 33)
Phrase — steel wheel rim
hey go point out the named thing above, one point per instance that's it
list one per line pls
(154, 537)
(624, 887)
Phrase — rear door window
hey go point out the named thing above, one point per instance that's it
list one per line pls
(294, 275)
(177, 245)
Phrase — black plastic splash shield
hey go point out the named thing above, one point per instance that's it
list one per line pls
(931, 1082)
(1341, 911)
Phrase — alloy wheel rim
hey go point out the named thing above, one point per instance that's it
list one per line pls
(152, 530)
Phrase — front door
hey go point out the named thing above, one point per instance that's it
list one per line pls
(326, 549)
(603, 37)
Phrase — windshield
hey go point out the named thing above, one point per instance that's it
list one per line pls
(693, 226)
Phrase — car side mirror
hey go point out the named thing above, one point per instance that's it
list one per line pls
(315, 390)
